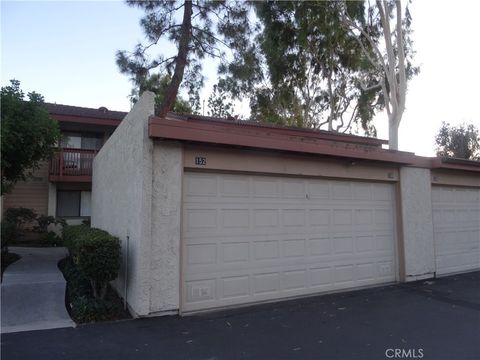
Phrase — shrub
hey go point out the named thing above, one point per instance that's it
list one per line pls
(87, 309)
(45, 221)
(84, 307)
(51, 239)
(17, 219)
(96, 254)
(19, 216)
(8, 235)
(71, 233)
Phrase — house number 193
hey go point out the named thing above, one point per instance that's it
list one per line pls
(202, 161)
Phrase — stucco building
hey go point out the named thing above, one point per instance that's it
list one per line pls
(214, 213)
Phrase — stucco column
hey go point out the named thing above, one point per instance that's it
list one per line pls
(417, 256)
(166, 219)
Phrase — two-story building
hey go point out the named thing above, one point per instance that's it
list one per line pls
(62, 187)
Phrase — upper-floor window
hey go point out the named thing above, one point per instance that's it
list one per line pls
(82, 140)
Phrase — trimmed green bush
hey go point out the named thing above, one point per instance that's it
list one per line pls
(71, 233)
(90, 309)
(96, 254)
(83, 306)
(19, 216)
(9, 231)
(50, 239)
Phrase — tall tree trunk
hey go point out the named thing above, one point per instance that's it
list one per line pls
(180, 62)
(393, 124)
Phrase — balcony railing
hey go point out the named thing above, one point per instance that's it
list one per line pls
(72, 165)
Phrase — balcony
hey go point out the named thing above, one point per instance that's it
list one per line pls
(71, 165)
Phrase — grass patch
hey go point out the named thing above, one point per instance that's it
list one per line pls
(8, 258)
(82, 306)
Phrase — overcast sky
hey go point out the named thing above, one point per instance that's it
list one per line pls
(65, 50)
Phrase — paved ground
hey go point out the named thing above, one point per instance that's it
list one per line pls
(433, 320)
(33, 291)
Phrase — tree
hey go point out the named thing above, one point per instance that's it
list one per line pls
(320, 64)
(219, 103)
(314, 66)
(391, 57)
(207, 28)
(29, 134)
(159, 85)
(462, 141)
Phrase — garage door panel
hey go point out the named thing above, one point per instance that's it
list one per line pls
(234, 288)
(276, 237)
(456, 229)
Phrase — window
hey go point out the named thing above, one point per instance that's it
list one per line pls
(73, 203)
(82, 141)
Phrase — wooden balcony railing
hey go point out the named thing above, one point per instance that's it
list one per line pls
(72, 165)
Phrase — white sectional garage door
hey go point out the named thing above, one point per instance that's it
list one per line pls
(255, 238)
(456, 224)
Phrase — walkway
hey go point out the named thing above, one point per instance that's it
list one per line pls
(33, 291)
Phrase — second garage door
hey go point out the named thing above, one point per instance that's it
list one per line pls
(456, 225)
(248, 238)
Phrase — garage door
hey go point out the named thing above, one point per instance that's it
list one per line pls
(254, 238)
(456, 224)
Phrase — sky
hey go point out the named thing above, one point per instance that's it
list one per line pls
(65, 50)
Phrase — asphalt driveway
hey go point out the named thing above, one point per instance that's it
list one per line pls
(437, 319)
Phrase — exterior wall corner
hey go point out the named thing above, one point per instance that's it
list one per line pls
(416, 225)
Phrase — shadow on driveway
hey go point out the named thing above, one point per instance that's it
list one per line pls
(439, 317)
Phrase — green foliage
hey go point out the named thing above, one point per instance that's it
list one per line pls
(307, 68)
(9, 232)
(159, 85)
(16, 219)
(71, 233)
(96, 254)
(28, 134)
(50, 238)
(197, 29)
(277, 106)
(90, 309)
(313, 66)
(219, 103)
(45, 221)
(84, 307)
(462, 141)
(19, 216)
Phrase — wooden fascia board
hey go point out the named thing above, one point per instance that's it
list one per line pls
(266, 139)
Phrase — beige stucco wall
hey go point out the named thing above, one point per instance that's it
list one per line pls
(416, 223)
(136, 194)
(166, 217)
(121, 199)
(455, 178)
(228, 159)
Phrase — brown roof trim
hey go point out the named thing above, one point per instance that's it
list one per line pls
(261, 137)
(445, 163)
(458, 161)
(83, 115)
(85, 120)
(318, 134)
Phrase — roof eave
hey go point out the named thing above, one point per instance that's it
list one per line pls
(265, 138)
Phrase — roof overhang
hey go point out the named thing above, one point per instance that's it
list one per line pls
(235, 133)
(85, 120)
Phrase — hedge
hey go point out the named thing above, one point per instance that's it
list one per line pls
(95, 253)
